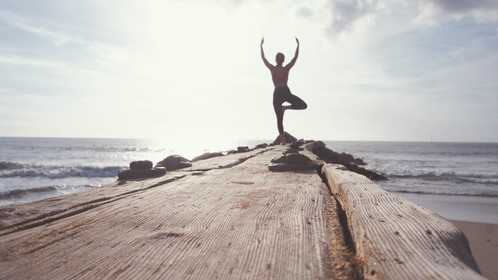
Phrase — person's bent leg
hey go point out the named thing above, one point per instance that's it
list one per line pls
(296, 102)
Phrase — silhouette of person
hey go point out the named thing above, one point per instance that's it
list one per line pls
(282, 93)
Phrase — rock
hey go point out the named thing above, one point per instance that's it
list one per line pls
(292, 158)
(261, 146)
(348, 161)
(293, 162)
(141, 165)
(297, 144)
(141, 169)
(242, 149)
(288, 139)
(365, 172)
(174, 162)
(314, 145)
(207, 155)
(231, 152)
(132, 174)
(293, 150)
(319, 149)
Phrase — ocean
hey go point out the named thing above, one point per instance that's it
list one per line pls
(440, 168)
(37, 168)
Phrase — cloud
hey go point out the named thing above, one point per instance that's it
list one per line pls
(441, 10)
(23, 61)
(344, 13)
(453, 6)
(71, 47)
(304, 12)
(22, 24)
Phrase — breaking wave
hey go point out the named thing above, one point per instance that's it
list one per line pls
(23, 193)
(19, 193)
(446, 193)
(6, 165)
(450, 176)
(13, 169)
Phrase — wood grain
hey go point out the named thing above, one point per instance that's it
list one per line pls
(236, 220)
(396, 239)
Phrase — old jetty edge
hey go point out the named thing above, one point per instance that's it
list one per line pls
(298, 211)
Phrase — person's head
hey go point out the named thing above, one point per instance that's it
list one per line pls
(279, 58)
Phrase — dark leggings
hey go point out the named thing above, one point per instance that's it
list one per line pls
(281, 95)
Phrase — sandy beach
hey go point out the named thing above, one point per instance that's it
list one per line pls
(483, 240)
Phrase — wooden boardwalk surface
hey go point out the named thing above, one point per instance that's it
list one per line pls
(224, 218)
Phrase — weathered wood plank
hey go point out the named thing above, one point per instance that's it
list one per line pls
(242, 222)
(20, 215)
(396, 239)
(225, 161)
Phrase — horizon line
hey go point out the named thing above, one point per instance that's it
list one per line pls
(328, 140)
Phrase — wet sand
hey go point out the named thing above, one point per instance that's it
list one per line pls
(483, 240)
(459, 208)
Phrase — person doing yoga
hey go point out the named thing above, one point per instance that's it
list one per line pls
(282, 93)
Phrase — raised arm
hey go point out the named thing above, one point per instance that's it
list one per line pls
(268, 64)
(294, 59)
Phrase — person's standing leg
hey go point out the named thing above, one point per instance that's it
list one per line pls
(279, 112)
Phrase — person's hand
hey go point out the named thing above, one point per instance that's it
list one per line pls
(262, 41)
(297, 41)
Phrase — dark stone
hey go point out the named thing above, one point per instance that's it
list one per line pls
(348, 161)
(365, 172)
(232, 152)
(207, 155)
(319, 149)
(242, 149)
(292, 150)
(292, 158)
(297, 144)
(311, 146)
(133, 174)
(281, 167)
(141, 165)
(174, 162)
(293, 162)
(261, 146)
(288, 139)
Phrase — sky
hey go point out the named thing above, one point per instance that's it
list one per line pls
(190, 70)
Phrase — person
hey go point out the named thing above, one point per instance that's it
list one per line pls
(282, 93)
